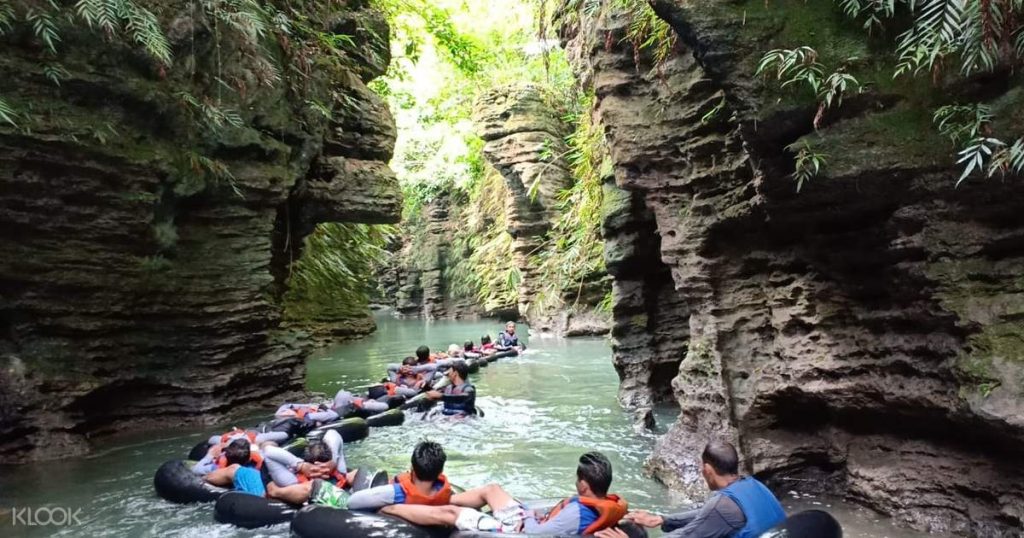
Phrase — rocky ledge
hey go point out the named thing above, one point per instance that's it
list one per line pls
(862, 337)
(144, 247)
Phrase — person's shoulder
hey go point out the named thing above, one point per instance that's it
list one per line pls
(728, 509)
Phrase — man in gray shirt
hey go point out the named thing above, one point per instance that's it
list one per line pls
(738, 507)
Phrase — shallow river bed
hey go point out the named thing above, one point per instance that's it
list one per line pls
(542, 410)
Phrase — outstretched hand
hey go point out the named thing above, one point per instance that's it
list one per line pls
(613, 532)
(434, 395)
(645, 519)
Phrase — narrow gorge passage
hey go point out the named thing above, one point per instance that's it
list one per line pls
(790, 226)
(541, 411)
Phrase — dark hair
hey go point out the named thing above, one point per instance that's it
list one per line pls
(376, 391)
(596, 471)
(409, 361)
(318, 452)
(428, 460)
(485, 339)
(422, 353)
(722, 457)
(238, 451)
(468, 346)
(462, 369)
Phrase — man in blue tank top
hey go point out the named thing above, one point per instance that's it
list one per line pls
(739, 507)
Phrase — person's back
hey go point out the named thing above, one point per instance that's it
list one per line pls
(739, 507)
(761, 510)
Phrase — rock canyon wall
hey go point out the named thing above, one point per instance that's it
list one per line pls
(863, 336)
(145, 246)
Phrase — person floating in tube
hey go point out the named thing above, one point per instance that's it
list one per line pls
(486, 345)
(343, 405)
(238, 465)
(423, 355)
(424, 483)
(318, 477)
(739, 507)
(408, 378)
(459, 397)
(508, 339)
(593, 509)
(216, 456)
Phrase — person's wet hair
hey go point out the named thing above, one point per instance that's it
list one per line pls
(462, 369)
(422, 353)
(468, 345)
(596, 471)
(237, 451)
(428, 460)
(318, 452)
(485, 339)
(409, 361)
(722, 457)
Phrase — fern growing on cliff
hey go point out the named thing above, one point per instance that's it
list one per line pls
(113, 17)
(645, 30)
(482, 265)
(332, 278)
(978, 36)
(574, 252)
(7, 113)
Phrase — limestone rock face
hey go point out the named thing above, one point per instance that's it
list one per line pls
(418, 283)
(144, 248)
(524, 141)
(863, 336)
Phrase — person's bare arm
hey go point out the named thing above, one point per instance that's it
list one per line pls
(420, 514)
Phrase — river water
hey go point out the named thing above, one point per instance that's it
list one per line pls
(542, 410)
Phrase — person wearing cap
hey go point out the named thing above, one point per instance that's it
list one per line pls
(459, 397)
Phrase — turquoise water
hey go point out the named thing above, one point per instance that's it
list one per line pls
(542, 410)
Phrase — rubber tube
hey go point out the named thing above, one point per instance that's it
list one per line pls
(251, 512)
(199, 451)
(394, 417)
(807, 524)
(175, 482)
(503, 354)
(351, 430)
(325, 522)
(631, 530)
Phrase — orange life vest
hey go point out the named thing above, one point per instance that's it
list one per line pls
(609, 510)
(340, 480)
(392, 388)
(440, 497)
(255, 459)
(298, 411)
(250, 435)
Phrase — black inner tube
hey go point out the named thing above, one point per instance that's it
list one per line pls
(175, 482)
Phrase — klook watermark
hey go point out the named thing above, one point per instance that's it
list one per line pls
(45, 516)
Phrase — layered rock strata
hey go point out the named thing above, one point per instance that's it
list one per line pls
(419, 283)
(861, 337)
(524, 139)
(144, 247)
